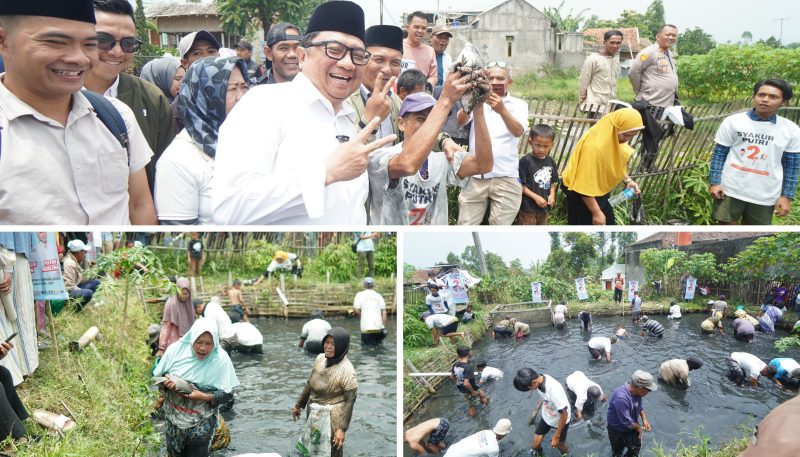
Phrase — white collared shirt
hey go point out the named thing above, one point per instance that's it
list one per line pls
(112, 91)
(75, 174)
(270, 161)
(505, 145)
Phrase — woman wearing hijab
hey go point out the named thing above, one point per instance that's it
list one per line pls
(191, 409)
(178, 316)
(332, 382)
(597, 164)
(166, 73)
(184, 172)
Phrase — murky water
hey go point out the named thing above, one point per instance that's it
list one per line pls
(713, 402)
(261, 419)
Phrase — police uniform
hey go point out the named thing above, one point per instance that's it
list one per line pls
(654, 76)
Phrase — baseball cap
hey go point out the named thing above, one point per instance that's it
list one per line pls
(643, 379)
(278, 33)
(502, 428)
(153, 332)
(368, 281)
(188, 41)
(416, 102)
(243, 44)
(77, 245)
(441, 29)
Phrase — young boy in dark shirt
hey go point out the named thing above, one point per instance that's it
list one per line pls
(463, 374)
(538, 175)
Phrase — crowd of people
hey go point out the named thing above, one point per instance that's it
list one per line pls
(626, 418)
(174, 144)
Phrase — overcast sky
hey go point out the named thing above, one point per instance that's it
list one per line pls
(723, 19)
(424, 249)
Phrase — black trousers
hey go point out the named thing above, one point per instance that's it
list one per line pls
(578, 213)
(620, 441)
(618, 295)
(12, 411)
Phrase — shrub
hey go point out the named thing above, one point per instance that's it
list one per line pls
(729, 72)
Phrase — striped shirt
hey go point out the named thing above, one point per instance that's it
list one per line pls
(654, 328)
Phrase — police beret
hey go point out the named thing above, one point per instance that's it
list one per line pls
(74, 10)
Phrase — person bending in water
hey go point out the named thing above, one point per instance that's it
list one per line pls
(555, 408)
(584, 392)
(586, 319)
(435, 430)
(600, 346)
(503, 328)
(652, 327)
(521, 329)
(675, 372)
(487, 373)
(621, 332)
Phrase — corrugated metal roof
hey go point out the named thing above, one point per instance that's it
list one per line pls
(180, 9)
(669, 238)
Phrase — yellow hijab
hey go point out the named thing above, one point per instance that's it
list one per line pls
(599, 161)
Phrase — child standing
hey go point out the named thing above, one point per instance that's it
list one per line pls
(538, 175)
(237, 301)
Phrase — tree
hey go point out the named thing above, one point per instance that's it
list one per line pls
(654, 17)
(632, 18)
(747, 37)
(569, 23)
(624, 239)
(582, 251)
(663, 264)
(695, 41)
(555, 241)
(772, 42)
(240, 16)
(453, 259)
(408, 272)
(594, 22)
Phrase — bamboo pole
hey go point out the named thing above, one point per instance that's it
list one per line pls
(53, 330)
(422, 379)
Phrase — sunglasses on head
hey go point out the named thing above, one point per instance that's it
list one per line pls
(497, 64)
(106, 42)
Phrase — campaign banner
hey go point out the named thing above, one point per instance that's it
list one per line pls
(48, 284)
(691, 286)
(536, 292)
(580, 286)
(457, 285)
(633, 286)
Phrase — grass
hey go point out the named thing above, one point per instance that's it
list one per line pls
(557, 84)
(106, 389)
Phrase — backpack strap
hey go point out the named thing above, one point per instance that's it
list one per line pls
(110, 117)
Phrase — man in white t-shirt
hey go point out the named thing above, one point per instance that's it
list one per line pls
(743, 366)
(371, 307)
(555, 408)
(507, 119)
(600, 345)
(481, 444)
(586, 392)
(313, 333)
(213, 310)
(441, 325)
(756, 160)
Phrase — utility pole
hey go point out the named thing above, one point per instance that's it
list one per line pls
(479, 250)
(781, 19)
(381, 12)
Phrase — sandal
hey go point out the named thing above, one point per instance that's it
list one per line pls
(56, 423)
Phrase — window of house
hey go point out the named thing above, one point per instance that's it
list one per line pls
(509, 45)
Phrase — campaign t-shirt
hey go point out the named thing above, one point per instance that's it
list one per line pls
(371, 305)
(462, 371)
(538, 175)
(752, 171)
(414, 200)
(437, 303)
(481, 444)
(554, 399)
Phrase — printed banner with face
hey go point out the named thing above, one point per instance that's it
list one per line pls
(633, 286)
(48, 284)
(691, 285)
(580, 286)
(536, 292)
